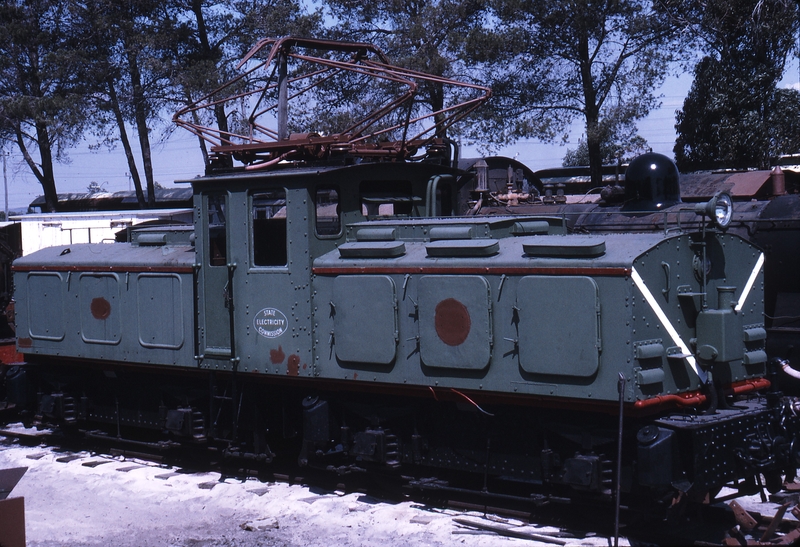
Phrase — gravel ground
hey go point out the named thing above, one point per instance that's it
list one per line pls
(89, 500)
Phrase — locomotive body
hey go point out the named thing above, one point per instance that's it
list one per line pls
(332, 304)
(505, 304)
(320, 314)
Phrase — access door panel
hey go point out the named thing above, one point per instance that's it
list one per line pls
(559, 330)
(454, 321)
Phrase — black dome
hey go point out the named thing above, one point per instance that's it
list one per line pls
(652, 182)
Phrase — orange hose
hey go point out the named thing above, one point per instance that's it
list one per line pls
(694, 398)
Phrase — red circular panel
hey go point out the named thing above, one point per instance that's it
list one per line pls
(452, 322)
(100, 308)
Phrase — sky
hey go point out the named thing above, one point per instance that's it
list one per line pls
(179, 158)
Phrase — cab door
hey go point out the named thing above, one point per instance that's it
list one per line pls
(272, 281)
(215, 274)
(254, 310)
(267, 294)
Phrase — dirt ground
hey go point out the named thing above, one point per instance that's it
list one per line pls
(89, 500)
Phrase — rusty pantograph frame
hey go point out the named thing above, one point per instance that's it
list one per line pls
(264, 146)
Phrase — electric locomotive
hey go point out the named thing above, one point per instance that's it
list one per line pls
(406, 340)
(331, 304)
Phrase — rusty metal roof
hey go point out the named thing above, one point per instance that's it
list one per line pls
(113, 201)
(740, 184)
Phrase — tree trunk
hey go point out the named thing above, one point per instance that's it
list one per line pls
(45, 177)
(202, 34)
(436, 90)
(201, 141)
(140, 116)
(126, 144)
(591, 111)
(594, 149)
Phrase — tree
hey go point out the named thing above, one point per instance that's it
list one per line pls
(784, 132)
(729, 117)
(552, 61)
(430, 37)
(128, 79)
(149, 57)
(95, 187)
(726, 122)
(212, 37)
(616, 148)
(42, 85)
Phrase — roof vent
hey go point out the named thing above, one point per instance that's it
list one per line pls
(376, 234)
(462, 248)
(372, 249)
(451, 232)
(558, 247)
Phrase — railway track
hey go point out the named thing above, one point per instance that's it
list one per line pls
(469, 517)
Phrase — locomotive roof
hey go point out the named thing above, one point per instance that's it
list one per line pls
(96, 257)
(304, 170)
(165, 198)
(617, 251)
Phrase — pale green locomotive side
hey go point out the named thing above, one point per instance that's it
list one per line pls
(544, 315)
(333, 305)
(529, 313)
(382, 331)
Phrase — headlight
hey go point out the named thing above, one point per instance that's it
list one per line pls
(719, 209)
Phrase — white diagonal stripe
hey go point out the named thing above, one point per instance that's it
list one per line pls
(750, 282)
(676, 339)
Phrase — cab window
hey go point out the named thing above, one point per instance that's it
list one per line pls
(268, 224)
(388, 198)
(217, 236)
(328, 213)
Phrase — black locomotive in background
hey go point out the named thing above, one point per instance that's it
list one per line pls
(334, 304)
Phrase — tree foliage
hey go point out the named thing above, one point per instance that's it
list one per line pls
(553, 61)
(42, 85)
(734, 115)
(214, 36)
(103, 66)
(430, 37)
(617, 147)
